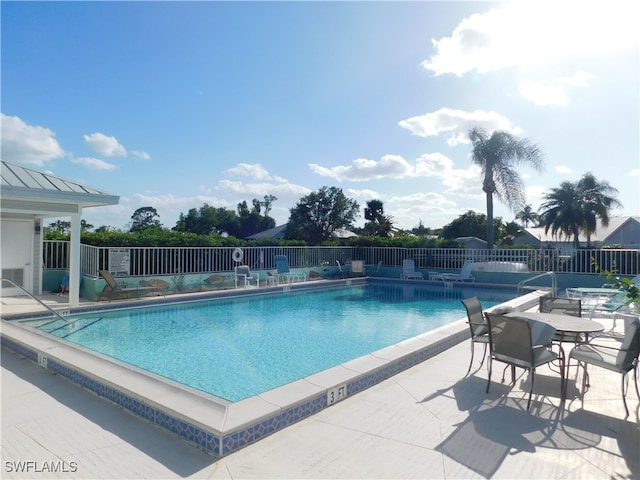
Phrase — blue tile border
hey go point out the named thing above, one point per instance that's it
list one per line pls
(225, 444)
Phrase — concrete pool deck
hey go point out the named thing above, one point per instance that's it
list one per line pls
(429, 421)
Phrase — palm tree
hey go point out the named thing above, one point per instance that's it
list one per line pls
(575, 207)
(527, 215)
(379, 224)
(497, 156)
(597, 201)
(562, 213)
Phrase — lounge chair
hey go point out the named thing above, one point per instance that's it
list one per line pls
(477, 325)
(511, 342)
(357, 268)
(621, 358)
(114, 288)
(464, 275)
(244, 277)
(409, 270)
(284, 273)
(341, 273)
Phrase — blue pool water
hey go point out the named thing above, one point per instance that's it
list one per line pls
(240, 347)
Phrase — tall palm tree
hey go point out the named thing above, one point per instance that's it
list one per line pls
(597, 199)
(576, 207)
(497, 155)
(562, 212)
(527, 215)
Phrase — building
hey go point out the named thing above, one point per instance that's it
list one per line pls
(27, 198)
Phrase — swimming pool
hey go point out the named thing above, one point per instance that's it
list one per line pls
(240, 347)
(220, 426)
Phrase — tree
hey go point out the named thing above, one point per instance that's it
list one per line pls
(470, 224)
(561, 212)
(143, 218)
(527, 215)
(497, 156)
(597, 199)
(316, 216)
(268, 201)
(574, 207)
(378, 223)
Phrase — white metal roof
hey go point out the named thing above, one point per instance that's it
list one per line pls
(24, 190)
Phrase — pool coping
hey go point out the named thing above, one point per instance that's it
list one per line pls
(218, 426)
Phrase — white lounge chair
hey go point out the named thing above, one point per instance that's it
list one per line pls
(464, 275)
(409, 270)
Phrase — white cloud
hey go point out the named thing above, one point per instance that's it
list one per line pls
(255, 170)
(533, 33)
(362, 169)
(634, 173)
(554, 93)
(542, 94)
(563, 169)
(259, 190)
(458, 122)
(105, 145)
(94, 163)
(141, 155)
(23, 143)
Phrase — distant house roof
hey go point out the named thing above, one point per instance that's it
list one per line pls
(275, 232)
(278, 232)
(472, 242)
(603, 235)
(25, 190)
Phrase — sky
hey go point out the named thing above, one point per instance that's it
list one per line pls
(174, 105)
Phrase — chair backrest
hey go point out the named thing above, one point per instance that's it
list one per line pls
(282, 263)
(465, 272)
(357, 266)
(243, 270)
(561, 305)
(630, 347)
(109, 279)
(510, 339)
(408, 266)
(477, 322)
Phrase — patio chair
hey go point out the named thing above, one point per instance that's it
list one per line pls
(477, 326)
(616, 357)
(511, 342)
(114, 288)
(409, 270)
(464, 275)
(284, 273)
(244, 277)
(563, 306)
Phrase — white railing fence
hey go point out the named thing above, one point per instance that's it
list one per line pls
(150, 261)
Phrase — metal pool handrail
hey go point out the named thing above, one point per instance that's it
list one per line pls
(36, 299)
(554, 282)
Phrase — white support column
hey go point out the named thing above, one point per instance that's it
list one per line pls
(74, 259)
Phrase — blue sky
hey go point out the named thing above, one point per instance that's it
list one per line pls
(177, 104)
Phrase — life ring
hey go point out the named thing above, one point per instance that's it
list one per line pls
(237, 255)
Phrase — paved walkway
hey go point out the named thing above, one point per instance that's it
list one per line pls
(427, 422)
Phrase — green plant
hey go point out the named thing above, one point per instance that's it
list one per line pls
(624, 284)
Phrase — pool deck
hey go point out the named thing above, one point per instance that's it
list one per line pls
(430, 421)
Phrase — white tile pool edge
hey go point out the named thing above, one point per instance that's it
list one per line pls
(215, 425)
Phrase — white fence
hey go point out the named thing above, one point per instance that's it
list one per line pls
(152, 261)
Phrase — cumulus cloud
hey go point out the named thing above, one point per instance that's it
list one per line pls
(554, 93)
(261, 189)
(563, 169)
(94, 163)
(24, 143)
(141, 155)
(362, 169)
(511, 35)
(458, 123)
(104, 145)
(255, 170)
